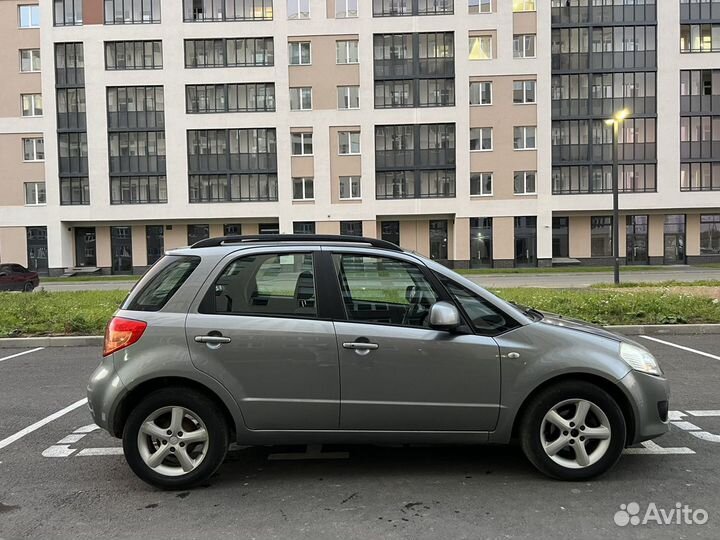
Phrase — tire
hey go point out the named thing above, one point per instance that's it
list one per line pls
(603, 438)
(28, 287)
(155, 414)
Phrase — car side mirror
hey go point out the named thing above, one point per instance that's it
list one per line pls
(444, 316)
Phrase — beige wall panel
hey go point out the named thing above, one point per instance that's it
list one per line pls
(656, 235)
(14, 172)
(14, 82)
(102, 246)
(525, 23)
(328, 227)
(250, 228)
(341, 165)
(579, 236)
(216, 229)
(503, 238)
(692, 235)
(177, 237)
(302, 167)
(13, 245)
(139, 245)
(370, 229)
(461, 235)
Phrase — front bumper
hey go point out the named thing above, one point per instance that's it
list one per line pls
(649, 397)
(104, 392)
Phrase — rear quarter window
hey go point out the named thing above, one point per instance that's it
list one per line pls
(159, 285)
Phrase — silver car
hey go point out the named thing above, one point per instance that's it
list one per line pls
(295, 339)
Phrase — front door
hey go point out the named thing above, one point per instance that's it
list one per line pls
(121, 250)
(526, 241)
(674, 239)
(259, 331)
(637, 240)
(397, 373)
(85, 253)
(37, 249)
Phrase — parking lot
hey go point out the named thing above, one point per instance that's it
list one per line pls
(62, 478)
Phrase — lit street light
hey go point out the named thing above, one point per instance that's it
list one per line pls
(615, 122)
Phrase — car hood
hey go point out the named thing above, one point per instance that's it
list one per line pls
(582, 326)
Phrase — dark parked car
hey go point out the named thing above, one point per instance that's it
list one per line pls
(14, 277)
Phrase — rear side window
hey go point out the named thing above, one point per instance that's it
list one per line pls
(161, 283)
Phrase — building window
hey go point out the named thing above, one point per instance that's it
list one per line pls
(406, 8)
(697, 176)
(524, 46)
(33, 149)
(481, 139)
(304, 227)
(127, 55)
(302, 144)
(137, 151)
(525, 182)
(436, 92)
(72, 153)
(29, 16)
(481, 93)
(523, 5)
(350, 187)
(196, 233)
(69, 64)
(135, 107)
(138, 190)
(699, 38)
(390, 232)
(525, 138)
(155, 243)
(345, 9)
(135, 12)
(524, 91)
(300, 53)
(35, 193)
(29, 60)
(74, 191)
(560, 237)
(710, 234)
(303, 189)
(346, 52)
(394, 94)
(32, 105)
(238, 52)
(349, 143)
(301, 99)
(351, 228)
(218, 98)
(221, 188)
(481, 184)
(71, 108)
(601, 236)
(68, 12)
(348, 97)
(481, 233)
(268, 228)
(227, 10)
(479, 6)
(298, 9)
(480, 48)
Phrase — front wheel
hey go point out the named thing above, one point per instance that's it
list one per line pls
(573, 431)
(175, 438)
(28, 287)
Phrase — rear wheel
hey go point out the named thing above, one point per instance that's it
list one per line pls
(28, 287)
(175, 438)
(573, 431)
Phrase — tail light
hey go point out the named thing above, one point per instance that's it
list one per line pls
(121, 333)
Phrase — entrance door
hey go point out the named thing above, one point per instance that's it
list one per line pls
(37, 249)
(439, 239)
(121, 250)
(674, 240)
(85, 248)
(637, 240)
(526, 241)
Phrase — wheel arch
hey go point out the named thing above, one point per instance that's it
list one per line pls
(611, 388)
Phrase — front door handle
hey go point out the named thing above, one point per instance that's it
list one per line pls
(360, 346)
(217, 340)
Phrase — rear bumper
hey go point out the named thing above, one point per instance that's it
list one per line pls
(104, 392)
(649, 396)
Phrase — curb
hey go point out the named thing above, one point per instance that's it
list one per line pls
(627, 330)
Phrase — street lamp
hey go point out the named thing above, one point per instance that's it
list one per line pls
(615, 122)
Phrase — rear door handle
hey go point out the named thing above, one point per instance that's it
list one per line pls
(360, 346)
(212, 339)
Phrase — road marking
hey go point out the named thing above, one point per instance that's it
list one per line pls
(650, 447)
(21, 353)
(676, 415)
(687, 426)
(704, 413)
(682, 347)
(40, 423)
(58, 450)
(112, 451)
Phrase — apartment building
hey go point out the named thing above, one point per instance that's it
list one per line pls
(471, 131)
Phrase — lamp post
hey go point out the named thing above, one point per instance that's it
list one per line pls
(615, 122)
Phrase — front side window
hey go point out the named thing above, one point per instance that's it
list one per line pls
(300, 53)
(485, 318)
(349, 142)
(382, 290)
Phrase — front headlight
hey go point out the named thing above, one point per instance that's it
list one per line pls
(639, 359)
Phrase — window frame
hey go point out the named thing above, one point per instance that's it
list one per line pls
(347, 95)
(491, 48)
(492, 139)
(34, 142)
(302, 93)
(480, 4)
(349, 134)
(525, 183)
(32, 60)
(299, 13)
(346, 4)
(36, 193)
(351, 181)
(304, 181)
(33, 97)
(300, 56)
(480, 94)
(31, 8)
(302, 135)
(482, 184)
(526, 38)
(345, 44)
(524, 139)
(524, 83)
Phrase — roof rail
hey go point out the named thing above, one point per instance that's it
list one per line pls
(270, 238)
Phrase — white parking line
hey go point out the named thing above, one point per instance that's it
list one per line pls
(704, 413)
(682, 347)
(21, 353)
(650, 447)
(40, 423)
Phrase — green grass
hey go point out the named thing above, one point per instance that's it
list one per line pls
(87, 312)
(658, 284)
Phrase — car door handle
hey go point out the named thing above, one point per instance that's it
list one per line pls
(360, 346)
(212, 339)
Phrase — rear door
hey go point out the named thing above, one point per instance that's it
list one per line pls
(260, 331)
(397, 373)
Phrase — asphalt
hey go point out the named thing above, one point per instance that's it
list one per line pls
(550, 280)
(378, 492)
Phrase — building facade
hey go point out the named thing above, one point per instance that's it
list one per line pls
(471, 131)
